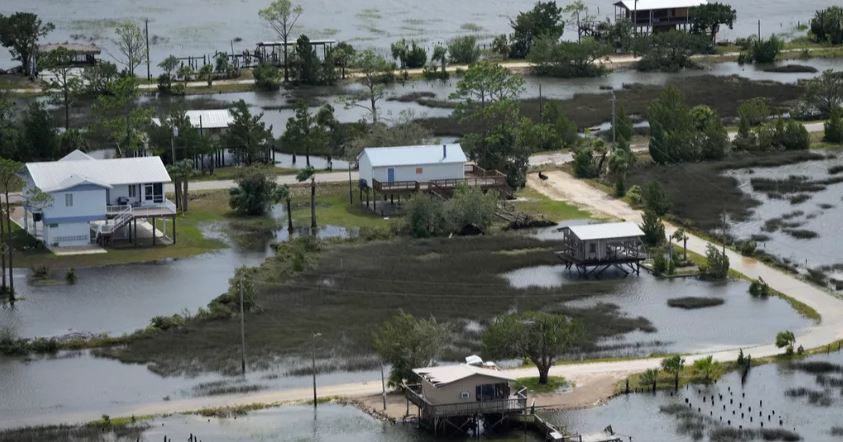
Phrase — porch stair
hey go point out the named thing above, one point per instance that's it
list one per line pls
(105, 231)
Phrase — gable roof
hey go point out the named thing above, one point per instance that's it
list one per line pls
(76, 155)
(50, 176)
(587, 232)
(646, 5)
(448, 374)
(206, 119)
(414, 155)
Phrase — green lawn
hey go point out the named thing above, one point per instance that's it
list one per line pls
(553, 383)
(232, 172)
(534, 203)
(332, 207)
(206, 206)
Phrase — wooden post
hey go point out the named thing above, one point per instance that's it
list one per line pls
(174, 230)
(153, 231)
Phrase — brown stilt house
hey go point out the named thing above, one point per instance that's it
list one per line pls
(657, 15)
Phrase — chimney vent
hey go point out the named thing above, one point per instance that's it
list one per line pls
(444, 151)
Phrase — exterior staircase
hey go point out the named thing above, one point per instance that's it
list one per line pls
(105, 231)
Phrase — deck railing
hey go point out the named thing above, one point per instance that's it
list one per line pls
(515, 403)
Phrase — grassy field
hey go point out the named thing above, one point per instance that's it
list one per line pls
(233, 172)
(332, 207)
(205, 207)
(534, 203)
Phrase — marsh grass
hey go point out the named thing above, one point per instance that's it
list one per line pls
(691, 303)
(354, 287)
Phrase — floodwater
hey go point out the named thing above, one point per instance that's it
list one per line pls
(278, 107)
(820, 213)
(84, 386)
(299, 423)
(765, 390)
(741, 321)
(122, 298)
(199, 27)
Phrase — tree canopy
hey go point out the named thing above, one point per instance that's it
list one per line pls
(407, 343)
(19, 33)
(707, 18)
(540, 337)
(248, 137)
(282, 16)
(544, 20)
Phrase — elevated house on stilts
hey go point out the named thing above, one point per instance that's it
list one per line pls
(593, 248)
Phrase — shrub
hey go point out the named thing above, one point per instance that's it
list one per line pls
(716, 264)
(39, 271)
(834, 126)
(584, 163)
(827, 25)
(634, 194)
(653, 228)
(762, 51)
(464, 49)
(70, 276)
(166, 322)
(747, 248)
(759, 289)
(656, 199)
(267, 77)
(786, 339)
(660, 266)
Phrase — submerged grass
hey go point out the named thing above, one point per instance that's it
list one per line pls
(534, 203)
(553, 384)
(353, 287)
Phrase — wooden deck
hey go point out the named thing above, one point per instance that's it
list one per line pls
(516, 404)
(475, 176)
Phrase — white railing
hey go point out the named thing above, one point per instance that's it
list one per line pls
(119, 221)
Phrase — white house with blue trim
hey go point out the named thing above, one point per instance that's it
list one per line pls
(420, 164)
(92, 199)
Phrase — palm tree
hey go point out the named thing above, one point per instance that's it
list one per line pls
(674, 366)
(786, 339)
(181, 171)
(303, 175)
(680, 235)
(282, 193)
(708, 368)
(649, 378)
(9, 180)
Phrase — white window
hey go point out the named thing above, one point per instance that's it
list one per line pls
(133, 192)
(68, 200)
(464, 395)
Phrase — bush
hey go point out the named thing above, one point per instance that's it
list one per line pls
(656, 199)
(254, 193)
(267, 77)
(584, 163)
(759, 289)
(464, 49)
(827, 25)
(781, 135)
(653, 228)
(39, 271)
(634, 194)
(70, 276)
(428, 216)
(716, 264)
(660, 264)
(166, 322)
(834, 126)
(763, 51)
(747, 248)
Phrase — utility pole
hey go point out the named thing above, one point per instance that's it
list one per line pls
(614, 126)
(173, 135)
(383, 387)
(146, 28)
(350, 194)
(541, 105)
(313, 368)
(759, 29)
(242, 327)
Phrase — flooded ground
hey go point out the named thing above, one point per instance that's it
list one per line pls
(740, 321)
(278, 107)
(805, 397)
(77, 382)
(802, 197)
(123, 298)
(198, 27)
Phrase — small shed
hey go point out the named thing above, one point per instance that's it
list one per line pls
(411, 164)
(601, 246)
(80, 53)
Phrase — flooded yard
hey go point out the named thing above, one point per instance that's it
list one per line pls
(803, 399)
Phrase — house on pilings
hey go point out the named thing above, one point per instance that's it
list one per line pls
(650, 16)
(593, 248)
